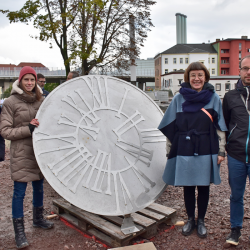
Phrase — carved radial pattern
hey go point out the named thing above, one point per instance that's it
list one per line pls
(98, 145)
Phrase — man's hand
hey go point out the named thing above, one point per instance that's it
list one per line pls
(220, 159)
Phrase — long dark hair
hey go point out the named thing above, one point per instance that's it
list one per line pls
(35, 90)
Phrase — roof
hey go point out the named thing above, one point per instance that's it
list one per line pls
(8, 66)
(230, 39)
(38, 65)
(180, 71)
(190, 48)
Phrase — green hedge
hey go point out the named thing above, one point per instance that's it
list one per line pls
(6, 93)
(50, 86)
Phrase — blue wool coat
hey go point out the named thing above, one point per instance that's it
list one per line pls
(192, 160)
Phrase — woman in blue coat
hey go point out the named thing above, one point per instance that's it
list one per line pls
(194, 125)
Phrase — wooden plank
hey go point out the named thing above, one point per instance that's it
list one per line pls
(115, 219)
(145, 246)
(161, 209)
(142, 220)
(152, 215)
(74, 221)
(138, 219)
(104, 238)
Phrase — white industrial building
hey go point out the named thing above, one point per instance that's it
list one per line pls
(180, 56)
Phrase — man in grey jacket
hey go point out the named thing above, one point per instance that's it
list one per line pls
(236, 112)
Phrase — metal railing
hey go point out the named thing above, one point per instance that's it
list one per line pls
(14, 72)
(139, 72)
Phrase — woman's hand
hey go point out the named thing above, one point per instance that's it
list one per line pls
(35, 122)
(220, 159)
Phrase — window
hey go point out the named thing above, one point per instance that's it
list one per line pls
(239, 46)
(223, 72)
(180, 81)
(166, 83)
(166, 71)
(166, 60)
(224, 51)
(181, 60)
(175, 70)
(186, 60)
(240, 55)
(174, 60)
(213, 71)
(218, 87)
(201, 62)
(213, 60)
(248, 50)
(227, 86)
(209, 60)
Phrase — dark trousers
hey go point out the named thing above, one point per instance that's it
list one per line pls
(19, 193)
(202, 200)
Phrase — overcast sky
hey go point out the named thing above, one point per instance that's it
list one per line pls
(206, 20)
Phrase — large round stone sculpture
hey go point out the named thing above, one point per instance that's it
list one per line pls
(98, 145)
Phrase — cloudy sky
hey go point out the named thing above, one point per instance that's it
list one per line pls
(206, 21)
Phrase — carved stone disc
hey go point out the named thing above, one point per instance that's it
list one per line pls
(98, 145)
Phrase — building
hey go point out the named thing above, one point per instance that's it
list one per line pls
(145, 73)
(10, 72)
(222, 84)
(230, 52)
(180, 56)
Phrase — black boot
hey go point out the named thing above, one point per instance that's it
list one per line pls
(234, 236)
(201, 229)
(38, 219)
(20, 237)
(189, 227)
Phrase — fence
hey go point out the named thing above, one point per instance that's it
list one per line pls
(14, 72)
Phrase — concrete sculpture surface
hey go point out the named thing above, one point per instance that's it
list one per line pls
(98, 145)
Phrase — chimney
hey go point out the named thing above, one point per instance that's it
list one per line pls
(243, 37)
(181, 28)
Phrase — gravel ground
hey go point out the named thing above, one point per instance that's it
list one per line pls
(64, 237)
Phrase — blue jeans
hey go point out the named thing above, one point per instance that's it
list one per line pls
(238, 172)
(19, 193)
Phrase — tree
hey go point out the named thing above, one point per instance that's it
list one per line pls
(90, 33)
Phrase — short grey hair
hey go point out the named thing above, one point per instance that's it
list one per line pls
(248, 56)
(74, 74)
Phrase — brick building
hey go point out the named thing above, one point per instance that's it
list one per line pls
(230, 52)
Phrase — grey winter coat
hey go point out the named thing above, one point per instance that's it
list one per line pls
(17, 112)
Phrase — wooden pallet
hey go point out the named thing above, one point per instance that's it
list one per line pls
(108, 228)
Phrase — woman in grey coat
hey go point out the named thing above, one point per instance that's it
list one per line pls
(17, 124)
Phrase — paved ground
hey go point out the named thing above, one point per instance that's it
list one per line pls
(64, 237)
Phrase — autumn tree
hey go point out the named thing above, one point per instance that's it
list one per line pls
(89, 33)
